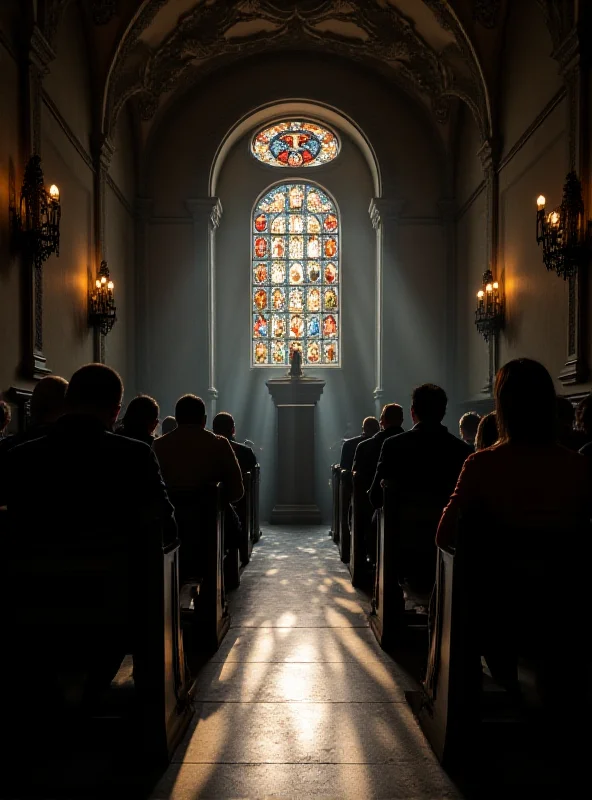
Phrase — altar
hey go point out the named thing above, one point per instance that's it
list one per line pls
(295, 399)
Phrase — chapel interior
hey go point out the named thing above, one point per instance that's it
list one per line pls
(431, 163)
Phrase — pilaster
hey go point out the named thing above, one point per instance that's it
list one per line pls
(207, 215)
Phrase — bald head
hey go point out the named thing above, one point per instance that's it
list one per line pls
(391, 416)
(48, 400)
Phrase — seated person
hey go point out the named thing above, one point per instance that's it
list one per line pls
(190, 456)
(467, 427)
(368, 450)
(526, 481)
(223, 425)
(370, 426)
(422, 467)
(141, 419)
(487, 433)
(168, 424)
(80, 478)
(46, 406)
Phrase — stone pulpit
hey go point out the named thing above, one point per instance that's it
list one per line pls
(295, 489)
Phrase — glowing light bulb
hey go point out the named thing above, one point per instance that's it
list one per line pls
(54, 193)
(554, 218)
(541, 201)
(480, 294)
(496, 285)
(110, 285)
(489, 288)
(103, 279)
(98, 284)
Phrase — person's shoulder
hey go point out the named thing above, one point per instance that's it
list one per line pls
(460, 445)
(398, 442)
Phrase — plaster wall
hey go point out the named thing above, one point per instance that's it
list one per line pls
(10, 178)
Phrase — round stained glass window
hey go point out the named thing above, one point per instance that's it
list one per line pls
(295, 144)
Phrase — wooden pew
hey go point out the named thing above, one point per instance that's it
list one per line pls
(200, 518)
(335, 480)
(515, 588)
(244, 509)
(256, 525)
(345, 492)
(64, 604)
(361, 523)
(405, 548)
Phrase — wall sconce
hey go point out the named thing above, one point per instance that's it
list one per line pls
(489, 314)
(101, 303)
(39, 214)
(561, 232)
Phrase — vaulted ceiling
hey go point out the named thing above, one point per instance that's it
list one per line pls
(438, 51)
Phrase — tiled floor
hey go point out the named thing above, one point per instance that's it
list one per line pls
(300, 701)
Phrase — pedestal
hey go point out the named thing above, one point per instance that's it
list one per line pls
(295, 498)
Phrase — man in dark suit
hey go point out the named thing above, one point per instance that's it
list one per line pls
(82, 479)
(370, 426)
(422, 467)
(425, 461)
(368, 451)
(223, 425)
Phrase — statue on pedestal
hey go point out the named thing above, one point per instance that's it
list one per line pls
(296, 365)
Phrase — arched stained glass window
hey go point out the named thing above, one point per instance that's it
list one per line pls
(295, 144)
(295, 279)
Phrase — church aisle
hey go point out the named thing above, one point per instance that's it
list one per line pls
(300, 701)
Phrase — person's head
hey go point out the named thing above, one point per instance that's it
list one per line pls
(190, 410)
(5, 415)
(566, 414)
(468, 425)
(223, 425)
(370, 426)
(584, 415)
(96, 390)
(391, 416)
(168, 424)
(142, 414)
(525, 403)
(48, 400)
(487, 434)
(428, 403)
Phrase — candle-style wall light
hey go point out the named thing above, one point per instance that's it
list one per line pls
(38, 218)
(102, 312)
(489, 314)
(562, 231)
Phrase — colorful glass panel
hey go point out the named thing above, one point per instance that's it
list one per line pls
(295, 277)
(295, 143)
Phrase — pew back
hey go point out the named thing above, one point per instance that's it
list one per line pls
(345, 493)
(335, 479)
(361, 529)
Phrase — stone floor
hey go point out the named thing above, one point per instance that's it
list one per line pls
(300, 701)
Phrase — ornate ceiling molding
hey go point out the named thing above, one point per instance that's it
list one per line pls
(368, 31)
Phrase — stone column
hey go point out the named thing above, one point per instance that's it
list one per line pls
(375, 217)
(104, 151)
(295, 489)
(207, 213)
(39, 57)
(572, 56)
(489, 160)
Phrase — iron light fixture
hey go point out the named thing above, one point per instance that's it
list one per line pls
(102, 313)
(39, 214)
(489, 314)
(561, 231)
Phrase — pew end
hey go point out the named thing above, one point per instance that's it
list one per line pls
(335, 480)
(360, 534)
(345, 493)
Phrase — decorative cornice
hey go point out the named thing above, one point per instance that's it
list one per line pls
(384, 37)
(205, 207)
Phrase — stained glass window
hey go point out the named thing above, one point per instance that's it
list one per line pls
(295, 278)
(295, 144)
